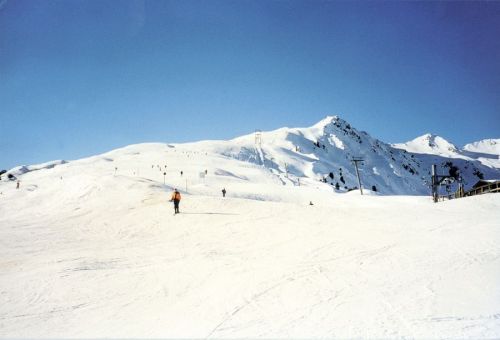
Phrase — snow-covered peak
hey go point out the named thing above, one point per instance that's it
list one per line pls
(328, 120)
(334, 126)
(429, 144)
(318, 156)
(490, 146)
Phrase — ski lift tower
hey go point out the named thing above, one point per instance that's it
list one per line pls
(436, 181)
(258, 138)
(357, 160)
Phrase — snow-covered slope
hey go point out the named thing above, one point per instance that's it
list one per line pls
(487, 152)
(429, 144)
(479, 160)
(321, 156)
(489, 146)
(91, 248)
(324, 152)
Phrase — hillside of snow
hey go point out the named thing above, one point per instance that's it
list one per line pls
(486, 151)
(322, 156)
(479, 160)
(489, 146)
(429, 144)
(91, 248)
(324, 152)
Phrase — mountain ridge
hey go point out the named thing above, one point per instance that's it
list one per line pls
(320, 155)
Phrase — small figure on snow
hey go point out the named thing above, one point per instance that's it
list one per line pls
(176, 198)
(18, 183)
(223, 192)
(182, 173)
(311, 203)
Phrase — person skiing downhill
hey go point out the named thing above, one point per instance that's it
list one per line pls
(224, 192)
(176, 198)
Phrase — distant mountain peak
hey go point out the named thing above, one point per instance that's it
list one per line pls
(328, 120)
(305, 156)
(428, 143)
(490, 146)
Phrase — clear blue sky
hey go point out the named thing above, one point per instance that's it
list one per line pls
(79, 78)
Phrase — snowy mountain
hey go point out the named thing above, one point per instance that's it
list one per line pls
(429, 144)
(324, 152)
(320, 156)
(91, 248)
(479, 160)
(489, 146)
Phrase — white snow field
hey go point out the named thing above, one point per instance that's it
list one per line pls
(489, 146)
(91, 248)
(429, 144)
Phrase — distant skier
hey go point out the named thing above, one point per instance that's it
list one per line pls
(311, 203)
(17, 185)
(182, 173)
(224, 192)
(176, 198)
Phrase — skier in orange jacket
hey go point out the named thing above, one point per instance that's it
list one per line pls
(176, 198)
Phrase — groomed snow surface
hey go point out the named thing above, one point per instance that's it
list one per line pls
(91, 248)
